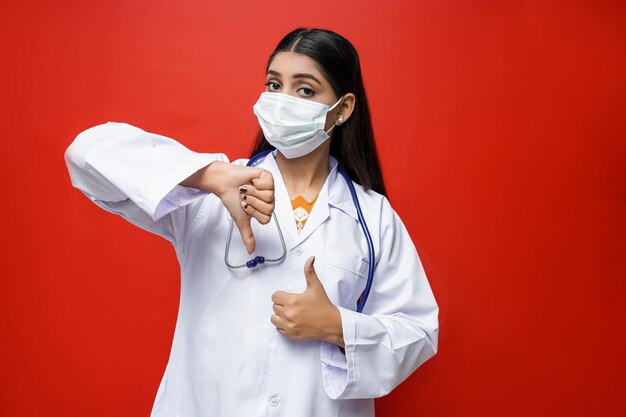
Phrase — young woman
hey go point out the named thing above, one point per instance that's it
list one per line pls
(338, 309)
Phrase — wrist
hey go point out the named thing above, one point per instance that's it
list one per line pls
(213, 177)
(206, 178)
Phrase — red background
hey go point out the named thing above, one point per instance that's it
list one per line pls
(501, 131)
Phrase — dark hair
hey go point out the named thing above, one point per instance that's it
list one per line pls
(352, 142)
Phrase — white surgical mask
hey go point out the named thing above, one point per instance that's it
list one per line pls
(292, 125)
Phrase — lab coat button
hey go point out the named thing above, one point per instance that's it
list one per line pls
(274, 400)
(298, 251)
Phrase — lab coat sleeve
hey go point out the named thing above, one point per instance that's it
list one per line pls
(398, 328)
(136, 174)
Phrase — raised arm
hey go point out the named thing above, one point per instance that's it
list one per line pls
(157, 183)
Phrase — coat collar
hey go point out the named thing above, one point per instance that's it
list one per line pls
(334, 192)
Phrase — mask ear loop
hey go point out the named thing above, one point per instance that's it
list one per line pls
(329, 109)
(335, 105)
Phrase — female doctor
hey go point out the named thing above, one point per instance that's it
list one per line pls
(318, 305)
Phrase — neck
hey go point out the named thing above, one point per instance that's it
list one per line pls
(307, 174)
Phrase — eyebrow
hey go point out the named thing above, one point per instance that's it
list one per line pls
(298, 75)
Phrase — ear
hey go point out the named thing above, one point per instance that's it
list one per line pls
(345, 108)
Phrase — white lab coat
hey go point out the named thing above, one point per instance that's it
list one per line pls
(227, 359)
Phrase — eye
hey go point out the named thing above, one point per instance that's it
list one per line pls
(272, 86)
(307, 92)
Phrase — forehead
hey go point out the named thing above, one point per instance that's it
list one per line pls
(289, 63)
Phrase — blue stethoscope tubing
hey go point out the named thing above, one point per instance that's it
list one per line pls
(370, 244)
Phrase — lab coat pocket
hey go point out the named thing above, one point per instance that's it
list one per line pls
(344, 278)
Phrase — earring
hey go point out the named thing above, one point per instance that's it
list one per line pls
(340, 119)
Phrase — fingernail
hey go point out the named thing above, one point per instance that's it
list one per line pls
(244, 204)
(244, 196)
(243, 189)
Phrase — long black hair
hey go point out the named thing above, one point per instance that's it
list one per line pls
(353, 141)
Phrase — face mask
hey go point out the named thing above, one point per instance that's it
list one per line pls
(292, 125)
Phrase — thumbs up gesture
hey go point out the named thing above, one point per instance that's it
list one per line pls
(308, 315)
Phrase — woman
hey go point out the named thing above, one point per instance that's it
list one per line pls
(287, 337)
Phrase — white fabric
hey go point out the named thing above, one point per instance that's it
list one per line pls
(227, 359)
(293, 125)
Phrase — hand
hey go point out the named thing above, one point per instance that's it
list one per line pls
(246, 192)
(309, 315)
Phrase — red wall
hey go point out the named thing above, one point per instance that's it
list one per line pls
(501, 129)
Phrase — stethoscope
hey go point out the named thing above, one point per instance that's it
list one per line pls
(258, 260)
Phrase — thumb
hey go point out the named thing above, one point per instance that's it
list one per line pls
(312, 281)
(245, 229)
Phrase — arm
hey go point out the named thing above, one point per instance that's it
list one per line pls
(399, 331)
(158, 184)
(136, 174)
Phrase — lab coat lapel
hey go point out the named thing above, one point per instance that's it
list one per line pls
(282, 204)
(284, 210)
(339, 194)
(336, 193)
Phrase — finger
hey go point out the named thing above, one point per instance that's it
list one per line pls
(265, 195)
(259, 205)
(265, 181)
(277, 322)
(280, 297)
(278, 309)
(246, 234)
(312, 280)
(251, 211)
